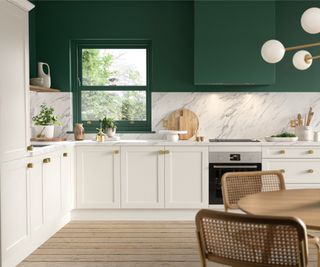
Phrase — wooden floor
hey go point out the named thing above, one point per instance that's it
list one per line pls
(122, 244)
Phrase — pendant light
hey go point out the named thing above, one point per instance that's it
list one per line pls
(273, 51)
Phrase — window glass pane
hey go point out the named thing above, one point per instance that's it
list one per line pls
(119, 105)
(103, 67)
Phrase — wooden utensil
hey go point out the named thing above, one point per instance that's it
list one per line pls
(310, 115)
(299, 119)
(183, 120)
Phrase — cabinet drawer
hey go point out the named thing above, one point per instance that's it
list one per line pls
(295, 171)
(290, 152)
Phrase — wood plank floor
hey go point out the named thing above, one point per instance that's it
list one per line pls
(122, 244)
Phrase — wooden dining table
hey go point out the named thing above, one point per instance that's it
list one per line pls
(301, 203)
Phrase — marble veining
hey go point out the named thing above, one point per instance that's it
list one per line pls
(62, 104)
(237, 115)
(221, 115)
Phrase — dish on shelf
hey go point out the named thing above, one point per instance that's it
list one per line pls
(281, 139)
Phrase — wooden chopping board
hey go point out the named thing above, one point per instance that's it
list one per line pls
(183, 120)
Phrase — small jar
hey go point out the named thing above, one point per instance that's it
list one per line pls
(316, 136)
(79, 132)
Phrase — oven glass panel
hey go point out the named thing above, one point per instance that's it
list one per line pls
(216, 171)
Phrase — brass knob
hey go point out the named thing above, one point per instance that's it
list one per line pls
(282, 152)
(310, 152)
(46, 160)
(65, 154)
(116, 152)
(30, 148)
(162, 152)
(283, 170)
(30, 165)
(310, 171)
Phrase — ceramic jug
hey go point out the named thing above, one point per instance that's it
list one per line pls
(42, 74)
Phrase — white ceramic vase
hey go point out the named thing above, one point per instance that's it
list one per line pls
(111, 132)
(43, 131)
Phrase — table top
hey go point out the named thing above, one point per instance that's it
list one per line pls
(301, 203)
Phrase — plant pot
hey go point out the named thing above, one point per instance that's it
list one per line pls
(43, 131)
(111, 132)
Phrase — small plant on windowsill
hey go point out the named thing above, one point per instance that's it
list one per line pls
(110, 126)
(45, 121)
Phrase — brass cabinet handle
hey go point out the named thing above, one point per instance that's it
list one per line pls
(65, 154)
(310, 171)
(283, 170)
(46, 160)
(282, 152)
(116, 152)
(30, 148)
(310, 151)
(167, 151)
(162, 152)
(30, 165)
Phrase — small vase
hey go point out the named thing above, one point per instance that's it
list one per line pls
(111, 132)
(79, 132)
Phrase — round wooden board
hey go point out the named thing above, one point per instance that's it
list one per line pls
(183, 120)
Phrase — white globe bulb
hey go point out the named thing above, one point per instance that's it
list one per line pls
(272, 51)
(300, 60)
(310, 20)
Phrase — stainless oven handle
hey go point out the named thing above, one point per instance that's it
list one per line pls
(235, 167)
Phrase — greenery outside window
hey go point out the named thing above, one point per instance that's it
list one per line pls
(112, 78)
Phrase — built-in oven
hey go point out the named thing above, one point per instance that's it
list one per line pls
(222, 162)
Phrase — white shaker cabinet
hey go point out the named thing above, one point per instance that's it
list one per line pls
(142, 177)
(98, 177)
(164, 177)
(36, 194)
(66, 172)
(14, 82)
(52, 186)
(186, 177)
(15, 231)
(300, 165)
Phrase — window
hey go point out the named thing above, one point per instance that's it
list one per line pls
(112, 79)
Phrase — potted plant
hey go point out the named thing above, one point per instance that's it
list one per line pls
(110, 126)
(44, 122)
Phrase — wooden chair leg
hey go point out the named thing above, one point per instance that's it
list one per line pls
(202, 255)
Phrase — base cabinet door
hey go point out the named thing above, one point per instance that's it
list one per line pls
(66, 157)
(142, 177)
(36, 195)
(186, 177)
(98, 177)
(52, 186)
(15, 221)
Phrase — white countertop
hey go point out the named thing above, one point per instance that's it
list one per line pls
(52, 146)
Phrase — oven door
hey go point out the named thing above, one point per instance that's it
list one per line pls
(216, 171)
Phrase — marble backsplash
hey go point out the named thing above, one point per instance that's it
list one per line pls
(62, 104)
(221, 115)
(238, 115)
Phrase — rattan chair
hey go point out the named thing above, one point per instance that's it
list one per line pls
(236, 185)
(266, 241)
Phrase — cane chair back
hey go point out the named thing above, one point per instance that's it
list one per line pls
(236, 185)
(245, 241)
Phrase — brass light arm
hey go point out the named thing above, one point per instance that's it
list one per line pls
(307, 58)
(301, 46)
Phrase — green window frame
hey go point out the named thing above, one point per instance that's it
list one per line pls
(76, 47)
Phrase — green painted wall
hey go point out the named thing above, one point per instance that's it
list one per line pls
(170, 27)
